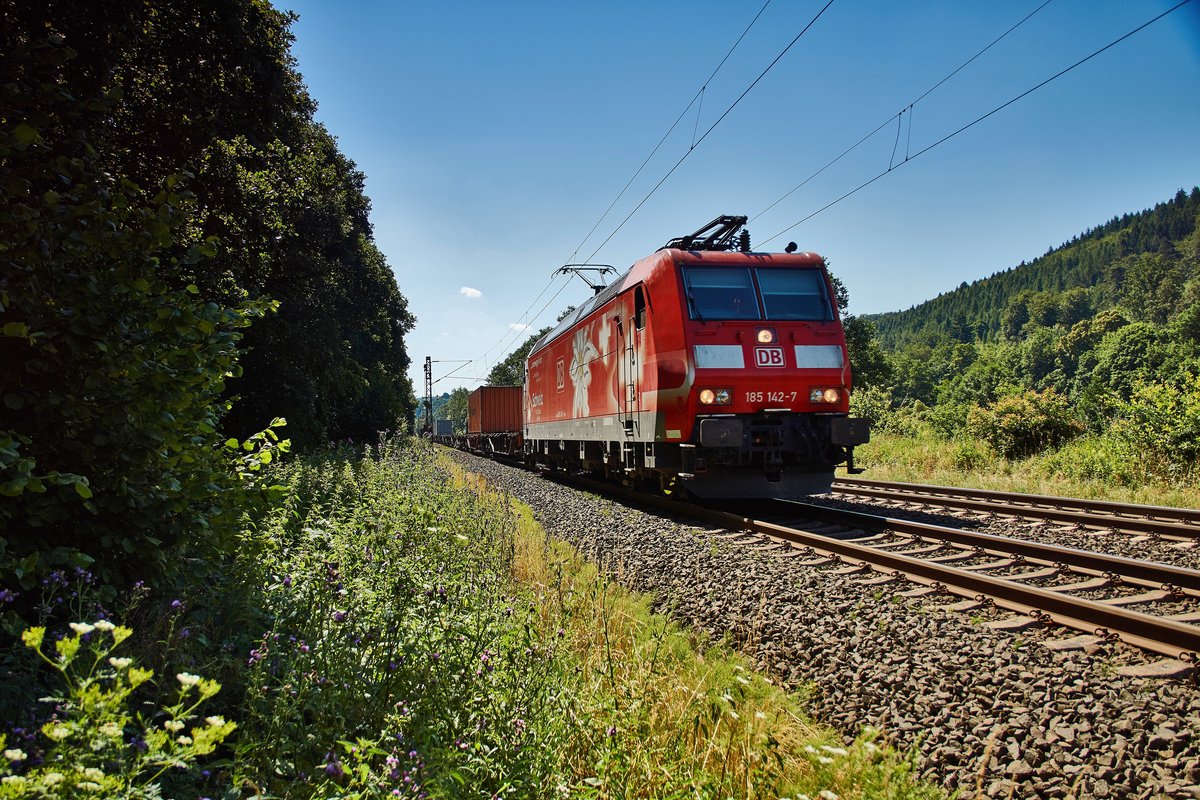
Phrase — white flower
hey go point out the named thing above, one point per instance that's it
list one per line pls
(834, 751)
(52, 778)
(59, 732)
(120, 663)
(808, 748)
(827, 795)
(13, 780)
(187, 679)
(93, 774)
(825, 759)
(14, 755)
(184, 740)
(89, 785)
(759, 715)
(173, 725)
(216, 722)
(82, 628)
(104, 625)
(111, 729)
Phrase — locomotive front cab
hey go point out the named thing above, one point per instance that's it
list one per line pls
(769, 394)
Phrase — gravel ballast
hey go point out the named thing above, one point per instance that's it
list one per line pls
(987, 709)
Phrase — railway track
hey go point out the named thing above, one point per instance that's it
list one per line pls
(1151, 606)
(1178, 524)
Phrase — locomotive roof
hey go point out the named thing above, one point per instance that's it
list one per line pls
(677, 256)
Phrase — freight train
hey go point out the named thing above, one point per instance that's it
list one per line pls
(706, 369)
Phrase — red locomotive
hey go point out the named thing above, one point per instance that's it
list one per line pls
(705, 367)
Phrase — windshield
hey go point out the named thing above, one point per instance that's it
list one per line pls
(720, 293)
(775, 293)
(794, 294)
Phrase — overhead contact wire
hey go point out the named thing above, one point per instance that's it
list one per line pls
(712, 127)
(698, 96)
(897, 116)
(981, 118)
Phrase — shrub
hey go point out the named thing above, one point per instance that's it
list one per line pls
(1161, 423)
(93, 744)
(1024, 424)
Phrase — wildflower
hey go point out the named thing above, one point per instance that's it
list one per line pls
(287, 582)
(184, 633)
(827, 795)
(111, 729)
(104, 625)
(89, 786)
(58, 732)
(825, 759)
(14, 755)
(188, 679)
(15, 781)
(184, 740)
(173, 725)
(834, 751)
(93, 774)
(176, 605)
(333, 767)
(339, 616)
(82, 628)
(53, 778)
(215, 722)
(7, 595)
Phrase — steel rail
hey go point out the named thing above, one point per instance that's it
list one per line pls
(1155, 520)
(1087, 561)
(1157, 634)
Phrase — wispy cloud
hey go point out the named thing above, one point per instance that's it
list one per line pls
(467, 291)
(517, 326)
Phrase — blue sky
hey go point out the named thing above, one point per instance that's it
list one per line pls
(494, 136)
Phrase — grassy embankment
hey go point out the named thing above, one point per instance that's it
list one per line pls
(1063, 472)
(394, 629)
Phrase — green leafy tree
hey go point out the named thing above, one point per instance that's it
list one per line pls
(511, 371)
(109, 449)
(456, 409)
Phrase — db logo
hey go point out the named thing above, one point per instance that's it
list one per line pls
(768, 356)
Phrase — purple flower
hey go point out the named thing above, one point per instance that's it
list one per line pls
(339, 616)
(287, 582)
(7, 595)
(333, 767)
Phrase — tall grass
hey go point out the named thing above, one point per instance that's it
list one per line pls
(396, 629)
(1088, 467)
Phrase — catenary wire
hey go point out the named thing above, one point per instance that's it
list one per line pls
(712, 127)
(979, 119)
(901, 113)
(699, 94)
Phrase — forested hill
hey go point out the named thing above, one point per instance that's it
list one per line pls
(1101, 268)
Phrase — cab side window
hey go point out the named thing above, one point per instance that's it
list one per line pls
(639, 308)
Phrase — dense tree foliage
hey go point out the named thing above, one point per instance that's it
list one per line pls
(1140, 262)
(170, 204)
(1101, 335)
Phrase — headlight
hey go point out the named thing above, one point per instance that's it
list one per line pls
(829, 395)
(715, 397)
(765, 335)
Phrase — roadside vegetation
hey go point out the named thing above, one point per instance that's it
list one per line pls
(389, 627)
(1077, 373)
